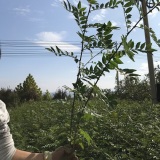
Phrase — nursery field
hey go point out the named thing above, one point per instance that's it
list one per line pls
(131, 130)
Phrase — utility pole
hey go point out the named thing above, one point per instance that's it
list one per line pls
(0, 51)
(117, 81)
(149, 53)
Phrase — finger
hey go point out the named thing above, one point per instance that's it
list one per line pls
(64, 149)
(71, 157)
(75, 158)
(58, 153)
(68, 150)
(65, 152)
(59, 148)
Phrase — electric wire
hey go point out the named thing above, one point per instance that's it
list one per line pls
(19, 48)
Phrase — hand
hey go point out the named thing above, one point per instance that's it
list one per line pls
(64, 153)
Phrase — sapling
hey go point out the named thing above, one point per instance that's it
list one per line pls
(97, 41)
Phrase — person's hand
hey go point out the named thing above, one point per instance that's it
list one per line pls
(64, 153)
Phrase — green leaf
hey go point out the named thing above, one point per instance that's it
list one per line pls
(114, 63)
(134, 75)
(69, 5)
(91, 69)
(110, 3)
(49, 49)
(106, 69)
(93, 77)
(143, 45)
(84, 26)
(100, 64)
(124, 43)
(80, 34)
(131, 43)
(107, 31)
(97, 6)
(153, 50)
(83, 18)
(99, 44)
(86, 136)
(83, 22)
(76, 60)
(110, 66)
(101, 6)
(109, 36)
(118, 61)
(94, 43)
(104, 59)
(87, 116)
(128, 16)
(128, 4)
(119, 2)
(130, 54)
(92, 1)
(137, 45)
(82, 9)
(106, 5)
(81, 145)
(128, 10)
(58, 49)
(114, 2)
(109, 23)
(79, 5)
(65, 5)
(129, 70)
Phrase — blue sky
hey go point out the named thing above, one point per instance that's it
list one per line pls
(40, 21)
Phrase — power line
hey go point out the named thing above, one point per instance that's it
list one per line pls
(29, 48)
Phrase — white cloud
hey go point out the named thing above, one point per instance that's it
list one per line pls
(156, 64)
(35, 19)
(56, 3)
(50, 36)
(71, 16)
(100, 17)
(114, 23)
(48, 39)
(134, 23)
(75, 2)
(22, 10)
(144, 68)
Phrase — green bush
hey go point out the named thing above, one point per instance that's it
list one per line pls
(130, 131)
(29, 90)
(9, 96)
(38, 126)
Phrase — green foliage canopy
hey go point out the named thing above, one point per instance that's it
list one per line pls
(99, 43)
(28, 90)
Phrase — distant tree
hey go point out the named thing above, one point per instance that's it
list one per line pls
(133, 88)
(9, 96)
(47, 96)
(117, 81)
(157, 74)
(29, 90)
(60, 94)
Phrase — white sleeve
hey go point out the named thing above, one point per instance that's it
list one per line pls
(7, 148)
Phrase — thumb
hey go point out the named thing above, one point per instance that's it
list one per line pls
(58, 153)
